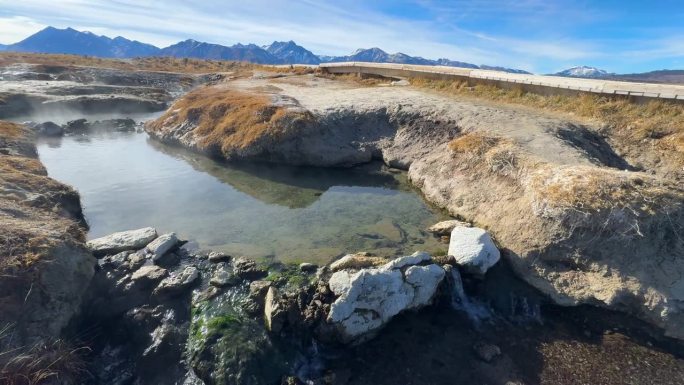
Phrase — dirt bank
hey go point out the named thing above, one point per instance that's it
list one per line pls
(576, 219)
(44, 265)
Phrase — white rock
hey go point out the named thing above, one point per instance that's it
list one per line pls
(122, 241)
(425, 279)
(369, 298)
(473, 249)
(161, 245)
(413, 259)
(446, 227)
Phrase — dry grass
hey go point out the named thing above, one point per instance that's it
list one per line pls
(30, 220)
(500, 156)
(366, 80)
(631, 124)
(225, 119)
(42, 363)
(161, 64)
(562, 192)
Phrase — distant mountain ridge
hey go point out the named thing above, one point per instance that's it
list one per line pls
(199, 50)
(291, 53)
(71, 41)
(584, 72)
(660, 76)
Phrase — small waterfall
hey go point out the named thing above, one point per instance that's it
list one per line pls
(475, 310)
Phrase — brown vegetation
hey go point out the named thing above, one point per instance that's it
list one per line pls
(161, 64)
(225, 120)
(41, 363)
(632, 127)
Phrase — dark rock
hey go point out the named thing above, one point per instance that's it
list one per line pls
(49, 129)
(248, 269)
(486, 352)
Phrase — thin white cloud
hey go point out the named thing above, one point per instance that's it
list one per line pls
(16, 28)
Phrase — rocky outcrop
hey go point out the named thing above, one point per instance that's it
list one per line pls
(574, 224)
(44, 264)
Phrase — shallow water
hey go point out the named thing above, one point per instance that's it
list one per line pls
(127, 180)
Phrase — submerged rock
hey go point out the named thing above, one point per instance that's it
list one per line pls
(122, 241)
(473, 249)
(357, 261)
(445, 227)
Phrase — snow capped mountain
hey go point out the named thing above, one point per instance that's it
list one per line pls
(291, 53)
(583, 72)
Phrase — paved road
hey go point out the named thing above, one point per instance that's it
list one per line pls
(648, 90)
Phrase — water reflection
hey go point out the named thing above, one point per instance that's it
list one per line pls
(258, 210)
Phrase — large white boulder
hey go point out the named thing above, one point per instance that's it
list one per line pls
(369, 298)
(473, 249)
(122, 241)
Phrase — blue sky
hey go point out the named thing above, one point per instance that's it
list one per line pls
(539, 36)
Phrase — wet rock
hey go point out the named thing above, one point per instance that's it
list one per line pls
(223, 276)
(272, 312)
(473, 249)
(114, 125)
(177, 283)
(49, 129)
(76, 125)
(369, 298)
(445, 227)
(248, 269)
(160, 246)
(115, 261)
(257, 295)
(122, 241)
(486, 352)
(357, 261)
(148, 275)
(308, 267)
(258, 289)
(217, 257)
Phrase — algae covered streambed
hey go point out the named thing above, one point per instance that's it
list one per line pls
(291, 214)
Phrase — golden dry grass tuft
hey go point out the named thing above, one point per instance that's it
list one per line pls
(631, 125)
(225, 119)
(46, 362)
(499, 155)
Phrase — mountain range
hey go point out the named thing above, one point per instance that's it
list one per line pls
(71, 41)
(659, 76)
